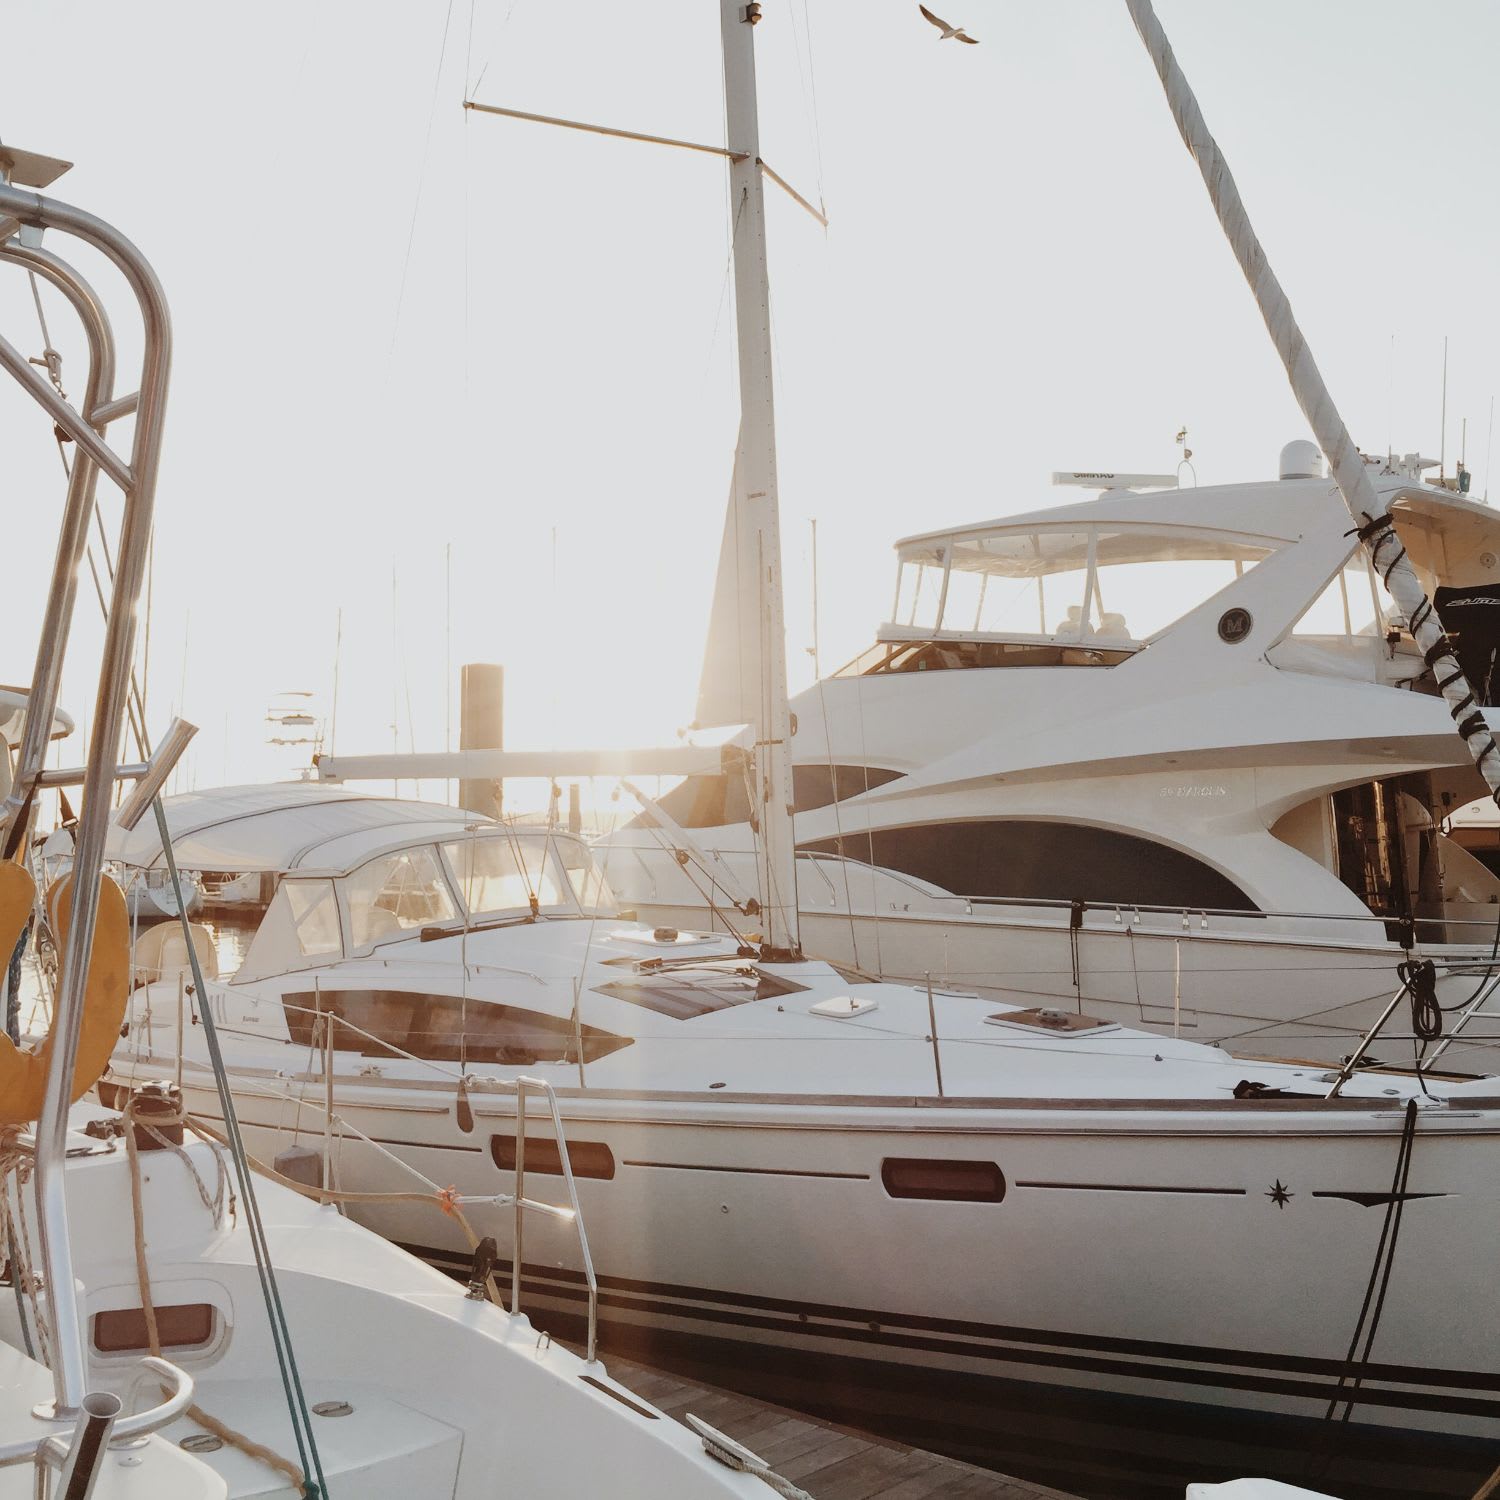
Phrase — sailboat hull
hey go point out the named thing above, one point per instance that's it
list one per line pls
(1187, 1255)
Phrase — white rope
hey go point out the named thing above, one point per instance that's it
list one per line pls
(1349, 470)
(749, 1465)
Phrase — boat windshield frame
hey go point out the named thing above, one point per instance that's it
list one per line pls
(928, 568)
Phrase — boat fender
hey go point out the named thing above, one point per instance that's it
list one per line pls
(23, 1074)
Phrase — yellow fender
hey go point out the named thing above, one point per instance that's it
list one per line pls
(23, 1074)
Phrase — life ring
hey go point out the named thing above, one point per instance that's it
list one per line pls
(23, 1075)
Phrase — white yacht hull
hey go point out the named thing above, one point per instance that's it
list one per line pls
(1192, 1255)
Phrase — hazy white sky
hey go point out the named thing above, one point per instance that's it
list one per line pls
(401, 325)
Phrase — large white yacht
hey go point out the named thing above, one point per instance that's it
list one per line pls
(1166, 756)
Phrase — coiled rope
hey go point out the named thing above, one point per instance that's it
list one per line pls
(746, 1463)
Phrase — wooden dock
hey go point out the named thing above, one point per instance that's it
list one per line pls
(829, 1461)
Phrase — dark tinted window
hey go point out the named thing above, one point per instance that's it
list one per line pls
(721, 799)
(942, 1181)
(1043, 862)
(179, 1325)
(820, 785)
(688, 992)
(441, 1027)
(587, 1158)
(953, 655)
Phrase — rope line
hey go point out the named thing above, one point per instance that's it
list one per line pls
(281, 1334)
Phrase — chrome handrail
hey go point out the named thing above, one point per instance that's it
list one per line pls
(24, 214)
(53, 1448)
(522, 1086)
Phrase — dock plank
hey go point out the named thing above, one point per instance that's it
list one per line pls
(830, 1461)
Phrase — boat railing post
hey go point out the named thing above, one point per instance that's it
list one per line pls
(1350, 1063)
(937, 1060)
(520, 1207)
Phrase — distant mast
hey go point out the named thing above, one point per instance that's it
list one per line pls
(752, 535)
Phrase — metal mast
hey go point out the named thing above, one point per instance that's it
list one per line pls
(754, 501)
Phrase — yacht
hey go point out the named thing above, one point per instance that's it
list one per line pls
(1163, 755)
(900, 1188)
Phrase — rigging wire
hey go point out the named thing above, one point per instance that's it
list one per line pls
(411, 233)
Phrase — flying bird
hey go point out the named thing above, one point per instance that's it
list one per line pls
(956, 32)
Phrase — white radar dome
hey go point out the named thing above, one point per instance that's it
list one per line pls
(1301, 460)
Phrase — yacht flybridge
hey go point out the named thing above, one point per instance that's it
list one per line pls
(1168, 757)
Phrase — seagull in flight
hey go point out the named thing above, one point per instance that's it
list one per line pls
(957, 32)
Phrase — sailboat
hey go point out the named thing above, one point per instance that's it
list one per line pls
(907, 1197)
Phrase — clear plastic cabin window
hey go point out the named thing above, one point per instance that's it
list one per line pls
(396, 894)
(1348, 605)
(315, 916)
(586, 875)
(497, 875)
(1091, 586)
(1135, 599)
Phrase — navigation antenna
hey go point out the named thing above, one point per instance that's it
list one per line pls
(1186, 461)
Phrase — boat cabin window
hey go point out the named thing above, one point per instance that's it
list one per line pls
(688, 992)
(497, 875)
(1107, 588)
(441, 1028)
(1349, 604)
(1030, 860)
(314, 914)
(586, 876)
(397, 893)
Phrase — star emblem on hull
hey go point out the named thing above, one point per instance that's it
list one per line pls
(1279, 1195)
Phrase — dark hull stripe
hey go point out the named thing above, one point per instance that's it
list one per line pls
(1122, 1187)
(879, 1329)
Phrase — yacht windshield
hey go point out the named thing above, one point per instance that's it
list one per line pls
(1104, 588)
(497, 875)
(395, 894)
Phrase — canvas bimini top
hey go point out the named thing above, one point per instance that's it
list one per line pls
(281, 827)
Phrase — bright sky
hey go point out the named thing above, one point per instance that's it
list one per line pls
(403, 327)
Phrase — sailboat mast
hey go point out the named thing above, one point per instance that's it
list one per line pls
(755, 478)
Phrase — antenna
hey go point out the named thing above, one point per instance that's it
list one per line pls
(1443, 435)
(1489, 452)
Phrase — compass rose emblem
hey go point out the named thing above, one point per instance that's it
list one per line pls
(1279, 1194)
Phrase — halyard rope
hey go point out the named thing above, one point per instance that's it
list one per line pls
(1371, 523)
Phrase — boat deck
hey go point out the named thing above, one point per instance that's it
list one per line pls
(829, 1461)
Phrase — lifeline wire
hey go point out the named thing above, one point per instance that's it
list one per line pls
(281, 1334)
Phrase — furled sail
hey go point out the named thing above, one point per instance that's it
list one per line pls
(730, 686)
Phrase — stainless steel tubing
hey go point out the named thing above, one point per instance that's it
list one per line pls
(41, 391)
(73, 535)
(80, 1469)
(138, 480)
